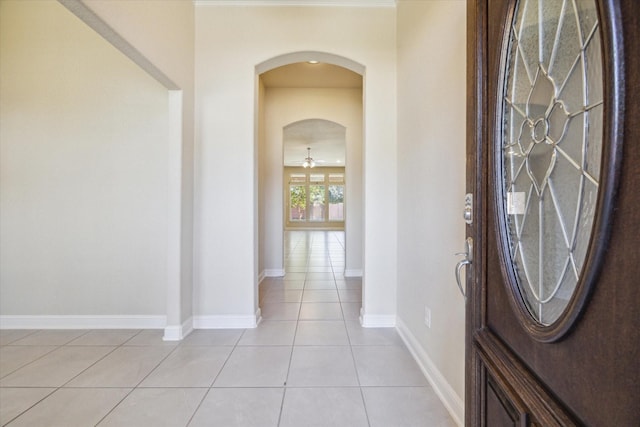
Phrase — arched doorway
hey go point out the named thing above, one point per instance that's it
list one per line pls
(297, 87)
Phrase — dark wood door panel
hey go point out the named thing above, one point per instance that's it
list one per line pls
(591, 376)
(530, 402)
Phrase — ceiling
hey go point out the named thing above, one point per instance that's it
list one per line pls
(307, 75)
(351, 3)
(325, 138)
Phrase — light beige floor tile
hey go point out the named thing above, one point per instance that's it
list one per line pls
(13, 357)
(189, 367)
(322, 366)
(320, 295)
(105, 337)
(323, 407)
(125, 367)
(387, 366)
(372, 336)
(213, 337)
(294, 276)
(255, 367)
(349, 284)
(150, 337)
(239, 407)
(72, 407)
(321, 311)
(290, 284)
(56, 368)
(280, 310)
(283, 295)
(319, 284)
(157, 407)
(405, 407)
(351, 310)
(296, 268)
(320, 276)
(326, 268)
(14, 401)
(321, 332)
(50, 337)
(7, 336)
(350, 295)
(270, 332)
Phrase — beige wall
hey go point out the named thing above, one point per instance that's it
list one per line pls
(230, 43)
(164, 33)
(431, 176)
(83, 190)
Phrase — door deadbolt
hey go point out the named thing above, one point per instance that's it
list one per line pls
(468, 208)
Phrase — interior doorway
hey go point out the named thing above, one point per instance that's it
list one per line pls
(305, 91)
(314, 175)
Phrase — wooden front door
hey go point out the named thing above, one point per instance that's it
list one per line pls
(553, 291)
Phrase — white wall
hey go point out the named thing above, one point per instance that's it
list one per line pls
(83, 186)
(230, 42)
(284, 106)
(431, 186)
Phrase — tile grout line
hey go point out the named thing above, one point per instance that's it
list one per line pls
(132, 388)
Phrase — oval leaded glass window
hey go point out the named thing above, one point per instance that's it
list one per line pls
(551, 127)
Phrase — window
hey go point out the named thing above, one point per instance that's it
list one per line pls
(336, 197)
(315, 198)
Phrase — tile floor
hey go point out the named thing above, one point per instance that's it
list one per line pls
(308, 363)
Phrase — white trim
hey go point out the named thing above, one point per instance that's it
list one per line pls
(449, 398)
(352, 273)
(174, 291)
(298, 3)
(178, 333)
(83, 322)
(261, 277)
(274, 272)
(89, 17)
(227, 321)
(377, 320)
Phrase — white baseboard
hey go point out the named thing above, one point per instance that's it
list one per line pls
(83, 322)
(377, 320)
(261, 277)
(178, 333)
(353, 273)
(449, 398)
(274, 272)
(227, 321)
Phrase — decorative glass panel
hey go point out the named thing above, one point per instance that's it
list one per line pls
(552, 147)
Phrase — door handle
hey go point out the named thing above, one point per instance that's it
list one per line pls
(467, 260)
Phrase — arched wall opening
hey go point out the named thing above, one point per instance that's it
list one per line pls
(305, 94)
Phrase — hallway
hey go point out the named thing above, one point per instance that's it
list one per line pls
(308, 363)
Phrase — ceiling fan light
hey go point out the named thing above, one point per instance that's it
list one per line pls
(308, 162)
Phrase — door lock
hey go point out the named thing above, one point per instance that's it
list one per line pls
(468, 208)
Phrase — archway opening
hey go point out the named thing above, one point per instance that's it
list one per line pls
(292, 89)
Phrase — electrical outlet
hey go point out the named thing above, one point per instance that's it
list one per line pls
(427, 316)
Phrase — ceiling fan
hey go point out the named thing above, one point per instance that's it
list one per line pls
(309, 161)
